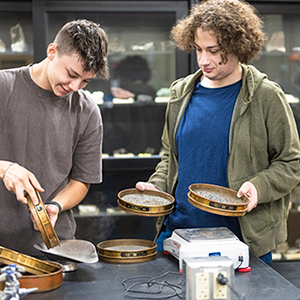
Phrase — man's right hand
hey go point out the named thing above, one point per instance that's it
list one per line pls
(145, 186)
(18, 179)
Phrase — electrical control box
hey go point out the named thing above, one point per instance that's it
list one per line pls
(208, 278)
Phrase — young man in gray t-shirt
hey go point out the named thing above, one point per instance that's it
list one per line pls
(51, 134)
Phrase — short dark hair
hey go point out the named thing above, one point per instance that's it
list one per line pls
(235, 23)
(89, 41)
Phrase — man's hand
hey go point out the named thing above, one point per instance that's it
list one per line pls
(18, 179)
(52, 211)
(145, 186)
(249, 190)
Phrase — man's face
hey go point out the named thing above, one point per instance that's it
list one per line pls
(209, 59)
(65, 73)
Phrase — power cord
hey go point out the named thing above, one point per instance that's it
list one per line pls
(143, 287)
(241, 260)
(221, 279)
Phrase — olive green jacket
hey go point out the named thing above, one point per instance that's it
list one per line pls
(263, 149)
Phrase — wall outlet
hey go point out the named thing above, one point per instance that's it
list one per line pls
(219, 290)
(202, 286)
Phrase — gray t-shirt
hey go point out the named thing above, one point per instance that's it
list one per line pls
(56, 138)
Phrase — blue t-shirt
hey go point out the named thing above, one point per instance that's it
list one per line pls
(203, 149)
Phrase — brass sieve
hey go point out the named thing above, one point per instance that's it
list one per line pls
(127, 250)
(163, 204)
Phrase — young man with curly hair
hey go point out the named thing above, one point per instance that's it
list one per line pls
(229, 125)
(51, 134)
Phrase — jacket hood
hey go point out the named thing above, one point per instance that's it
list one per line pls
(252, 79)
(183, 86)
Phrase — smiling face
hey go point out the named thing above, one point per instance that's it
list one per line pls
(65, 73)
(215, 73)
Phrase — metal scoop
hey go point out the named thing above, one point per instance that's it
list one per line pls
(75, 250)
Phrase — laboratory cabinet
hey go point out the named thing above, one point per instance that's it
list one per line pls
(16, 34)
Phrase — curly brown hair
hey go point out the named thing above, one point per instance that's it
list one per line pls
(235, 23)
(89, 41)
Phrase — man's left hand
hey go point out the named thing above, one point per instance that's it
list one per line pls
(52, 211)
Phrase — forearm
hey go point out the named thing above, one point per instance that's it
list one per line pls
(283, 173)
(159, 177)
(275, 182)
(72, 194)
